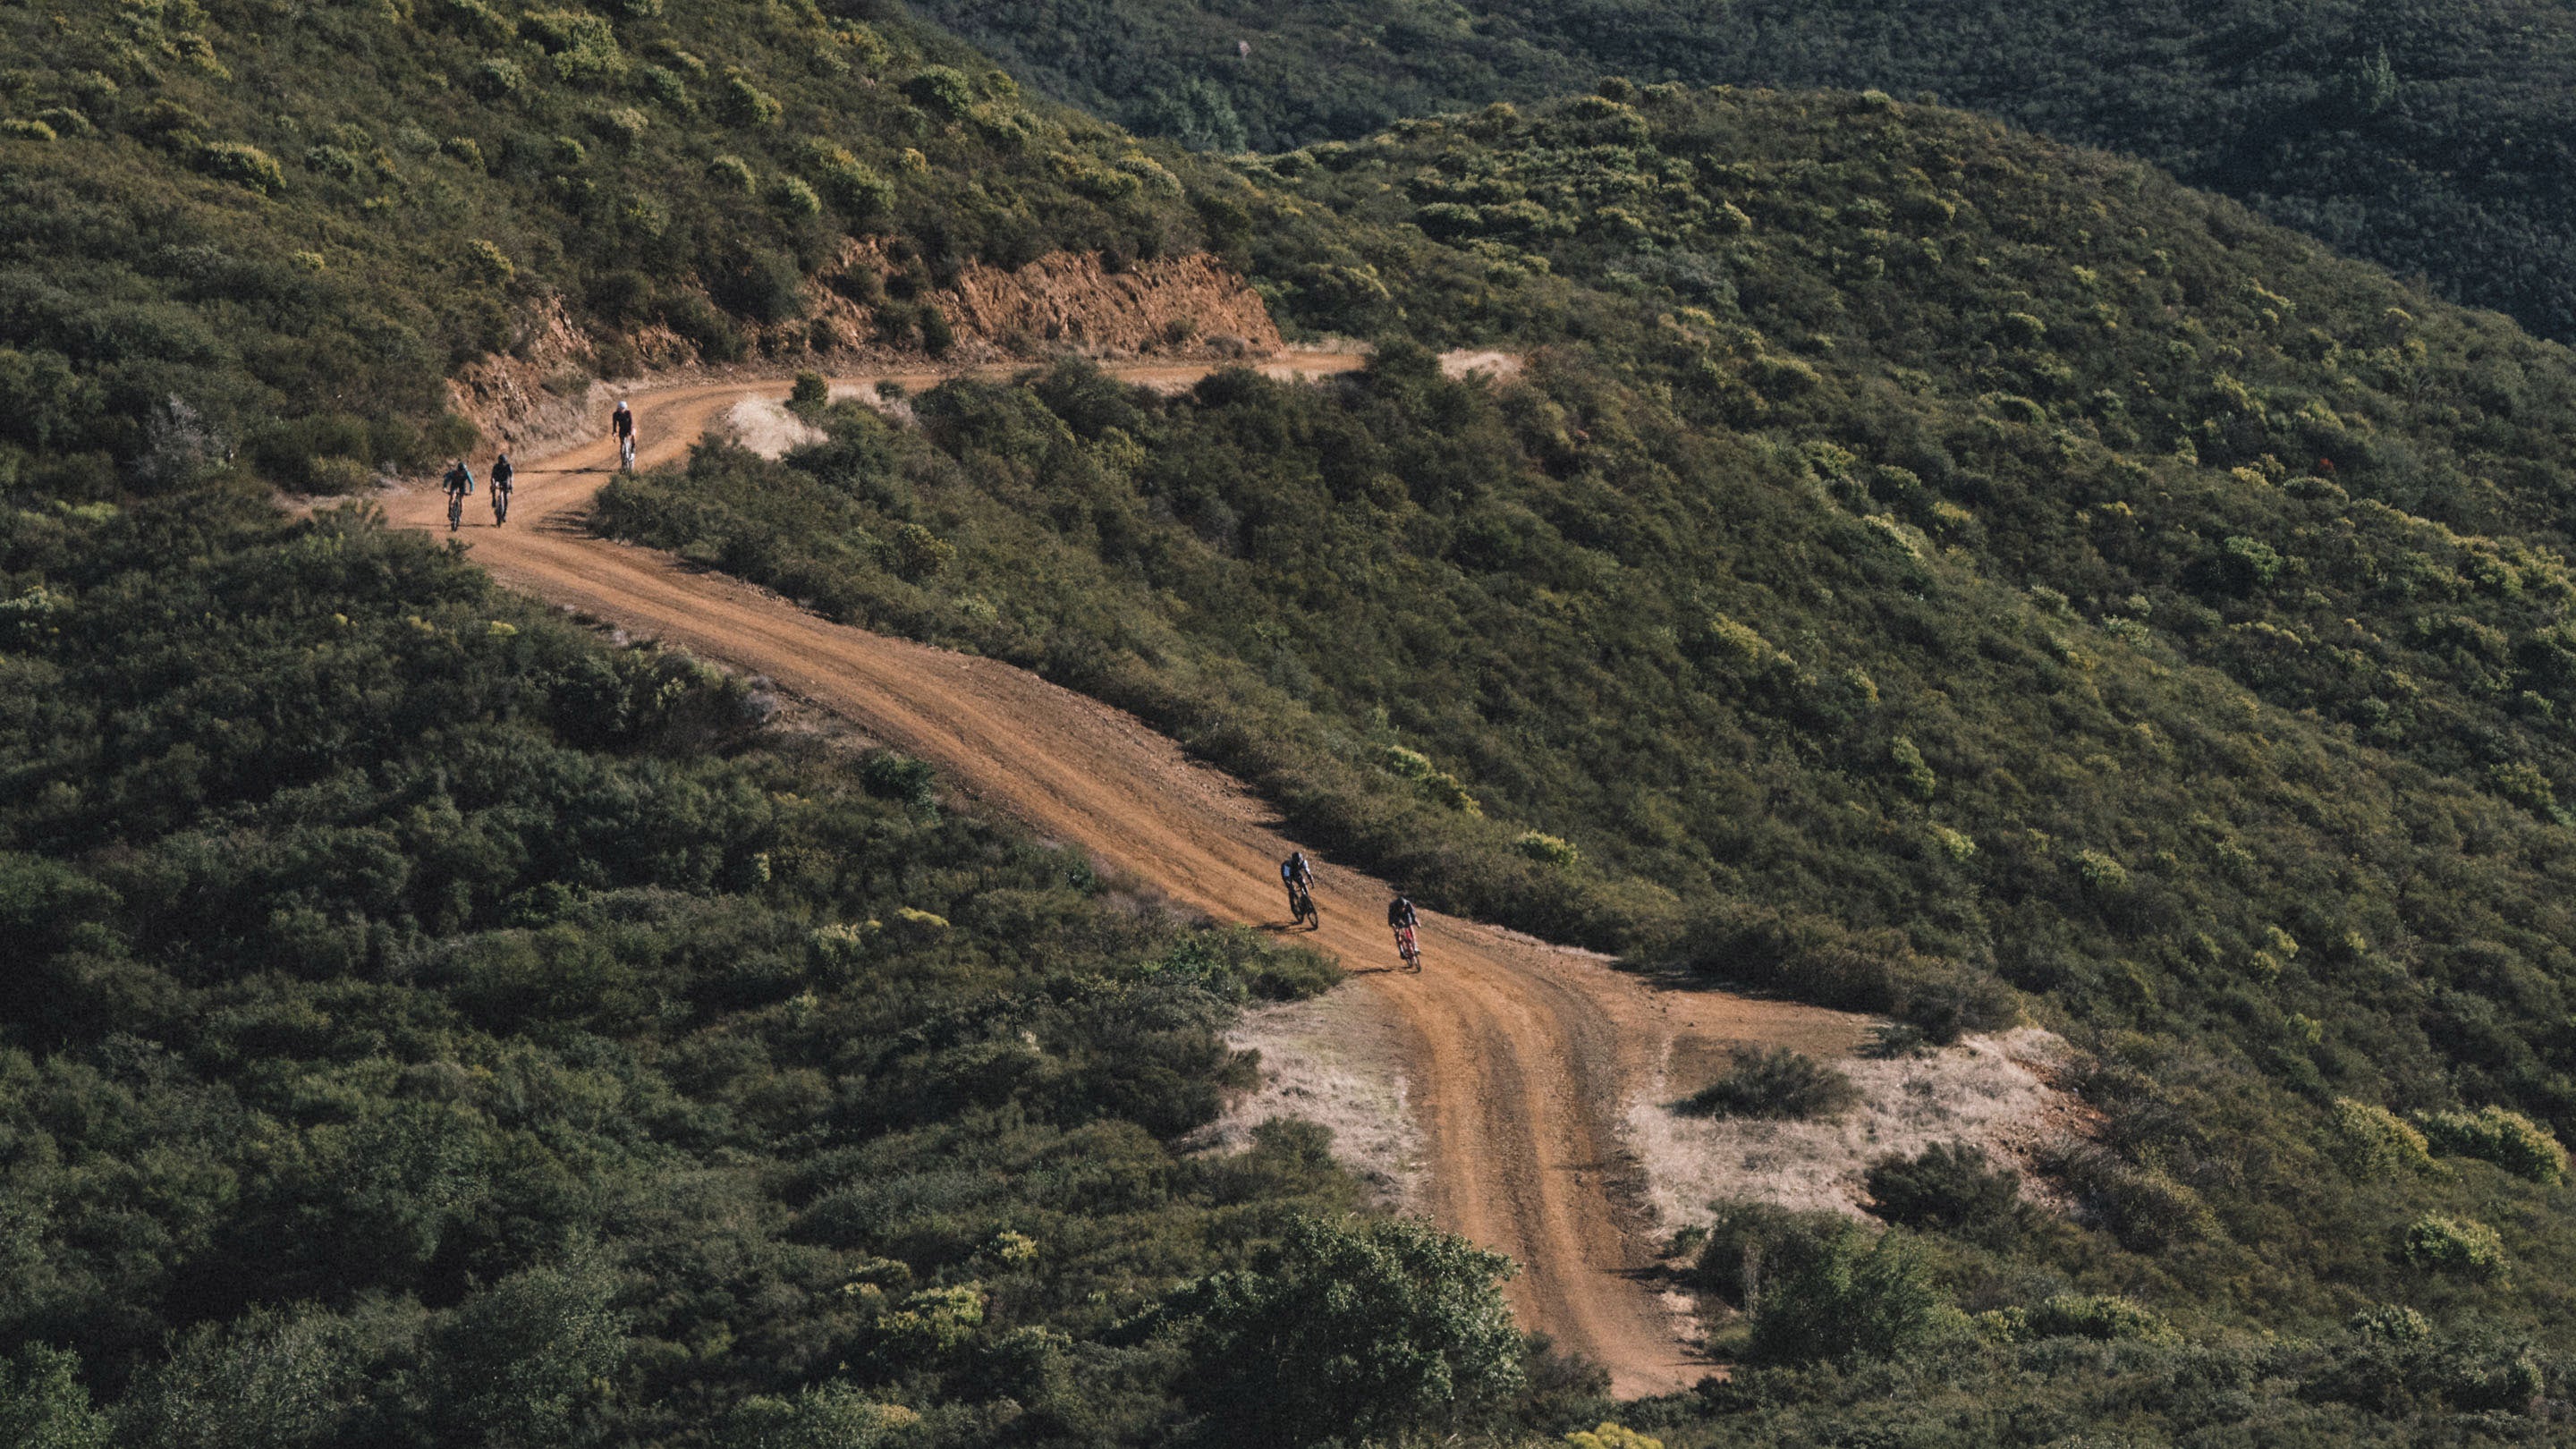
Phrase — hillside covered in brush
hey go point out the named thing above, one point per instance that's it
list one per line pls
(2429, 140)
(1906, 563)
(268, 235)
(1920, 567)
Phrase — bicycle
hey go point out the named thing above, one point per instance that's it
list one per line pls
(626, 453)
(1409, 948)
(455, 510)
(1301, 907)
(500, 506)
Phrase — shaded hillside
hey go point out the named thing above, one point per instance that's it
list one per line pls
(241, 232)
(2432, 141)
(1917, 557)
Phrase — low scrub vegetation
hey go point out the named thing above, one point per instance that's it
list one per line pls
(1775, 1082)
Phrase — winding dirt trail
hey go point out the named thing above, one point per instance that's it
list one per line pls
(1521, 1057)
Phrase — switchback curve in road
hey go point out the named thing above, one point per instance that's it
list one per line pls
(1521, 1057)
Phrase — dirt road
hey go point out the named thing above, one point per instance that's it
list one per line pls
(1522, 1057)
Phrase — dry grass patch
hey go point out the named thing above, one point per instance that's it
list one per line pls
(1990, 1091)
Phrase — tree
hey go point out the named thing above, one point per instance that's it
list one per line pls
(1348, 1331)
(42, 1403)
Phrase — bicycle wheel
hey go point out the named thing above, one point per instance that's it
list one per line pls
(455, 511)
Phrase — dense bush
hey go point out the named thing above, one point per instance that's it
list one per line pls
(1860, 1296)
(1949, 1187)
(428, 1025)
(2508, 1139)
(1379, 1330)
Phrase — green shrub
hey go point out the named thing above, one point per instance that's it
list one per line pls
(856, 190)
(245, 166)
(624, 125)
(1749, 1246)
(24, 130)
(942, 90)
(1546, 849)
(1774, 1082)
(498, 80)
(1611, 1435)
(43, 1404)
(488, 264)
(899, 777)
(2249, 563)
(476, 20)
(1911, 771)
(581, 47)
(745, 104)
(1949, 1187)
(1858, 1298)
(331, 161)
(1349, 1331)
(811, 391)
(2100, 873)
(2372, 1142)
(793, 198)
(2454, 1245)
(2102, 1316)
(1436, 785)
(823, 1416)
(732, 173)
(920, 554)
(2508, 1139)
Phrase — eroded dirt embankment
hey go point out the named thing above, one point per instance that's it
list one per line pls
(866, 311)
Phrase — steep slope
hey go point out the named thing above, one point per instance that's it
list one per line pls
(2432, 142)
(1526, 1060)
(426, 1024)
(1907, 573)
(243, 234)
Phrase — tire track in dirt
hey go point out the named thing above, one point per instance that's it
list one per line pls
(1523, 1057)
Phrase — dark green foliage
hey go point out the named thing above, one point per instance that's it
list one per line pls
(1949, 1187)
(1774, 1082)
(1857, 1296)
(43, 1404)
(427, 1025)
(2355, 1387)
(1347, 1331)
(1751, 1246)
(2299, 110)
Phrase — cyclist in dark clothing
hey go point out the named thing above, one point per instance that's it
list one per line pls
(1299, 876)
(622, 423)
(458, 482)
(1401, 918)
(501, 475)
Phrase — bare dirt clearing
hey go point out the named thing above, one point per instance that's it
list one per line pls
(1494, 1091)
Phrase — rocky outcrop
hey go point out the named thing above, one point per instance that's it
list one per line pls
(874, 307)
(873, 303)
(535, 395)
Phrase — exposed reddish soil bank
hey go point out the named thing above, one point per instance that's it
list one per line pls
(1522, 1058)
(1179, 309)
